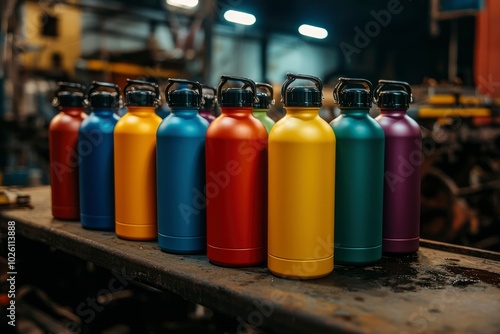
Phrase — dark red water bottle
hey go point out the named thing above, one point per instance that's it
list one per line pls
(64, 155)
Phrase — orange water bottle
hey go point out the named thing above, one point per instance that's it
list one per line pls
(135, 162)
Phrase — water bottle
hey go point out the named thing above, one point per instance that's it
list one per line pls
(63, 148)
(359, 184)
(236, 180)
(403, 157)
(262, 105)
(95, 144)
(135, 162)
(208, 102)
(301, 185)
(180, 154)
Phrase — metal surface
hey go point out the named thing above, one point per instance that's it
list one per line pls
(432, 291)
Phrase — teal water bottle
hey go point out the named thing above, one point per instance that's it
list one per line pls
(359, 183)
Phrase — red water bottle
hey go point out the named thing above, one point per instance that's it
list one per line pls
(63, 147)
(236, 180)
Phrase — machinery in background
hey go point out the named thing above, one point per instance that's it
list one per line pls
(461, 166)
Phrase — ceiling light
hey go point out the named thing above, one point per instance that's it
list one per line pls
(239, 17)
(183, 3)
(312, 31)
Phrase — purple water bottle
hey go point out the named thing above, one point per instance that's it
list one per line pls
(403, 157)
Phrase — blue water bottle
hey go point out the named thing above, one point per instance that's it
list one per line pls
(95, 147)
(180, 156)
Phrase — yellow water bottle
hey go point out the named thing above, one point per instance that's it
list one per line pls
(135, 163)
(301, 185)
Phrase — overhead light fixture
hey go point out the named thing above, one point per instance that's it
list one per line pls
(183, 3)
(313, 31)
(239, 17)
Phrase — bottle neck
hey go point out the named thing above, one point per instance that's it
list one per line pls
(103, 112)
(72, 111)
(260, 111)
(393, 112)
(354, 111)
(184, 112)
(141, 110)
(237, 111)
(302, 112)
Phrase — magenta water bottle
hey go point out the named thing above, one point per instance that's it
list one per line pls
(403, 157)
(208, 103)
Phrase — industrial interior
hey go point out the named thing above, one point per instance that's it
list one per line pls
(70, 279)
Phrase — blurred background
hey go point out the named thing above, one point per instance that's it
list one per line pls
(448, 50)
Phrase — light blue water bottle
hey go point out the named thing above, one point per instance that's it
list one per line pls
(180, 154)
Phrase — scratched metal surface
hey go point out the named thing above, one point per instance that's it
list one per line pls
(434, 291)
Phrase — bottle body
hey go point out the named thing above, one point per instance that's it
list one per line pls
(95, 144)
(403, 157)
(135, 173)
(181, 180)
(207, 114)
(358, 187)
(261, 115)
(64, 159)
(236, 188)
(301, 195)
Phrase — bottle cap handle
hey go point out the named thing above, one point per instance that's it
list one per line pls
(384, 83)
(292, 77)
(194, 84)
(133, 83)
(247, 83)
(344, 82)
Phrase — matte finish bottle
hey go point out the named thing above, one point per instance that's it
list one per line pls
(95, 144)
(180, 155)
(208, 103)
(63, 147)
(359, 176)
(135, 163)
(236, 180)
(262, 105)
(403, 157)
(301, 186)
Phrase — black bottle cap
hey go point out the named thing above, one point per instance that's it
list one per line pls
(392, 99)
(353, 97)
(208, 98)
(302, 96)
(69, 94)
(236, 97)
(183, 97)
(103, 99)
(264, 98)
(139, 93)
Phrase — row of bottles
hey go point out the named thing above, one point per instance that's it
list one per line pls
(298, 193)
